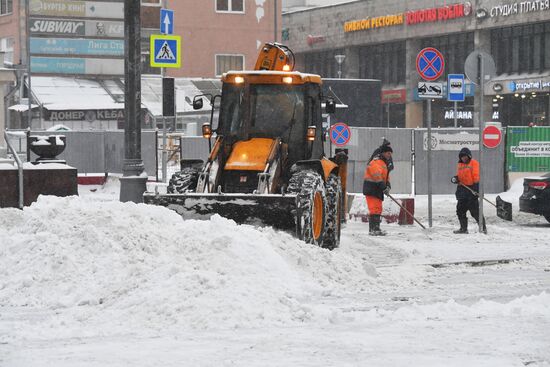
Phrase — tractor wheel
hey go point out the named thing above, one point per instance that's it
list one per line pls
(183, 181)
(333, 224)
(312, 206)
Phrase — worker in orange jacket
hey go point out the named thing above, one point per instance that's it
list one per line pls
(467, 174)
(376, 183)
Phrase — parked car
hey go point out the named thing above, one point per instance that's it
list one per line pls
(536, 196)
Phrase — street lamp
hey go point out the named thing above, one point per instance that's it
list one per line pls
(339, 60)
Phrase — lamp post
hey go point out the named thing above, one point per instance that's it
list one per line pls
(339, 60)
(133, 181)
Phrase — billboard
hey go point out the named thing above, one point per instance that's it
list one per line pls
(76, 66)
(68, 27)
(528, 149)
(77, 9)
(75, 46)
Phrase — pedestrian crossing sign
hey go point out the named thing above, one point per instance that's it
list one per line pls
(165, 51)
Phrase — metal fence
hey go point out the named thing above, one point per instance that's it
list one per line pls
(102, 151)
(362, 144)
(446, 143)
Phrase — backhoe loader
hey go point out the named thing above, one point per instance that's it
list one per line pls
(267, 165)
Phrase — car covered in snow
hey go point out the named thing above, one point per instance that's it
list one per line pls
(536, 196)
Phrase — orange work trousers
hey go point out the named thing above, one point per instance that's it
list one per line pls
(374, 204)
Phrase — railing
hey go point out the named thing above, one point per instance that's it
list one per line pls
(15, 154)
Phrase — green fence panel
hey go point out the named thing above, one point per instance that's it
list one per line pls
(528, 149)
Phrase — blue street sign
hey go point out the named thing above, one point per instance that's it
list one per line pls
(166, 51)
(456, 90)
(430, 64)
(340, 134)
(166, 21)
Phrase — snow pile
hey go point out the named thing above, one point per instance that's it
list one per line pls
(536, 306)
(513, 194)
(122, 266)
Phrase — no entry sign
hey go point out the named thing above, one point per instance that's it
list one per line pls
(492, 136)
(430, 64)
(340, 134)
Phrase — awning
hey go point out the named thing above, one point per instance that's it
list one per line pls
(21, 107)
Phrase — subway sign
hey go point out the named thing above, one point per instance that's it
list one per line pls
(62, 27)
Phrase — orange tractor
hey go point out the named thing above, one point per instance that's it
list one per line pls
(267, 165)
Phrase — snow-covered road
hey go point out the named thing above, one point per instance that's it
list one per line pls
(93, 282)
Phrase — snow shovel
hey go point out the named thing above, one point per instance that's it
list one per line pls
(406, 211)
(504, 209)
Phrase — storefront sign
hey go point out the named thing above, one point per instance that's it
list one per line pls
(81, 9)
(102, 28)
(72, 66)
(452, 142)
(394, 96)
(57, 26)
(371, 23)
(311, 40)
(81, 115)
(71, 46)
(460, 115)
(528, 86)
(440, 14)
(519, 7)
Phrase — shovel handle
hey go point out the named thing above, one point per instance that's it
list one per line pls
(476, 194)
(406, 211)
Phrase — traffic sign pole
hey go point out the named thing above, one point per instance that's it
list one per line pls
(456, 113)
(481, 119)
(430, 212)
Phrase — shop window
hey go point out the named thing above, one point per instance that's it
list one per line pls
(521, 49)
(6, 46)
(230, 6)
(455, 49)
(324, 63)
(385, 62)
(225, 63)
(6, 7)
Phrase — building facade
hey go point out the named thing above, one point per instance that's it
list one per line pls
(219, 35)
(75, 41)
(380, 39)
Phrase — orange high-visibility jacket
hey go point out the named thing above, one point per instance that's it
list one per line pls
(376, 178)
(468, 173)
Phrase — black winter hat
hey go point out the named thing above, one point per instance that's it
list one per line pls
(465, 152)
(385, 148)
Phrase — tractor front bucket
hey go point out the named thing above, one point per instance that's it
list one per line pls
(278, 211)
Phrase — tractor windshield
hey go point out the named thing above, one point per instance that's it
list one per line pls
(262, 110)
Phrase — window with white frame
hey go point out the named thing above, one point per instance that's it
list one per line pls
(230, 6)
(6, 7)
(6, 46)
(225, 63)
(151, 2)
